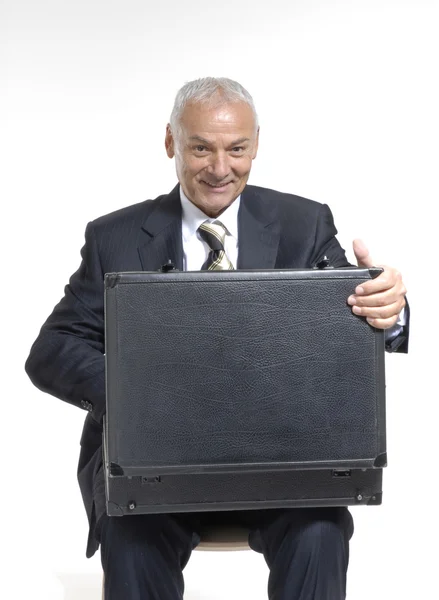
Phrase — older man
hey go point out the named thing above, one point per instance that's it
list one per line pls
(211, 220)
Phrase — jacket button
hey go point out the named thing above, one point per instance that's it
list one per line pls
(83, 404)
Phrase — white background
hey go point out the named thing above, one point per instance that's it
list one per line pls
(347, 97)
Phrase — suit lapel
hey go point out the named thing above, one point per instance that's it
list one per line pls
(163, 240)
(258, 231)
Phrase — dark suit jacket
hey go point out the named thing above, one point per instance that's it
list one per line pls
(275, 230)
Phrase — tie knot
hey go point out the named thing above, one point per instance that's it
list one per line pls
(214, 234)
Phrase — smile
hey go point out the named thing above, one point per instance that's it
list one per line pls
(217, 186)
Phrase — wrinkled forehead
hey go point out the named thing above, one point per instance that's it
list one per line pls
(218, 117)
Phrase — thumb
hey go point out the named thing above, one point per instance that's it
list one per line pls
(362, 255)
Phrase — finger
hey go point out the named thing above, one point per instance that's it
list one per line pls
(395, 294)
(362, 255)
(378, 312)
(385, 281)
(382, 323)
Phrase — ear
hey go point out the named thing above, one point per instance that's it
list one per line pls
(169, 142)
(256, 145)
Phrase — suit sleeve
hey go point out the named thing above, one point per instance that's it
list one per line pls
(67, 359)
(325, 242)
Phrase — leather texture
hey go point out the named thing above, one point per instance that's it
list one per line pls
(227, 372)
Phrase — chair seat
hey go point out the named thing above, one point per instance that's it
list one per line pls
(228, 537)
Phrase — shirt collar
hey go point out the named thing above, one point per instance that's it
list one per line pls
(192, 217)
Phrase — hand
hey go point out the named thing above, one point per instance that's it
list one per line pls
(380, 300)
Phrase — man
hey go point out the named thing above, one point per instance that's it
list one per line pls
(213, 135)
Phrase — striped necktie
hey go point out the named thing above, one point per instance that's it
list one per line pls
(214, 234)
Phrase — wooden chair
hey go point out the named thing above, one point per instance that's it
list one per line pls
(227, 538)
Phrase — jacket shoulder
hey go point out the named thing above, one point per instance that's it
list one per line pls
(134, 213)
(287, 202)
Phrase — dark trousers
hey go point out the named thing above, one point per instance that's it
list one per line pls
(306, 550)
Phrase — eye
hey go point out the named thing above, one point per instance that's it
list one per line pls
(200, 148)
(238, 149)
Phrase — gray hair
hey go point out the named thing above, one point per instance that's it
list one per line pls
(211, 91)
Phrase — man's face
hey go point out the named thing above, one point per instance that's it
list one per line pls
(213, 153)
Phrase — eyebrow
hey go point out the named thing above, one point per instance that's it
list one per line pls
(207, 142)
(240, 141)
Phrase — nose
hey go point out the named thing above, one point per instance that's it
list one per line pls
(219, 166)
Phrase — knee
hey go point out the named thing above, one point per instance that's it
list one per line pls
(322, 534)
(325, 528)
(310, 563)
(139, 560)
(132, 532)
(155, 538)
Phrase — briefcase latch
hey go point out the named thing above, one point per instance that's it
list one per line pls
(169, 266)
(341, 473)
(150, 480)
(323, 264)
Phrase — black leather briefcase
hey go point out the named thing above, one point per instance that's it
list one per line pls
(241, 390)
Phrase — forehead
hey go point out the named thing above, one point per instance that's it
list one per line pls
(225, 118)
